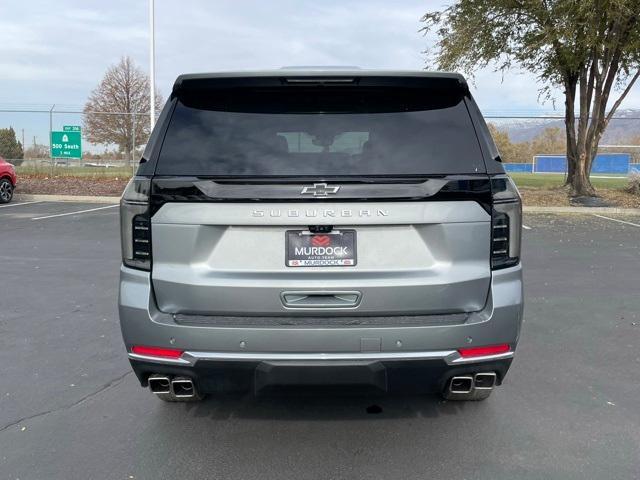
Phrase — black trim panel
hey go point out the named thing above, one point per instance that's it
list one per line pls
(321, 322)
(196, 189)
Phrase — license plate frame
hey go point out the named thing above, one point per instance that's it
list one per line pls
(341, 239)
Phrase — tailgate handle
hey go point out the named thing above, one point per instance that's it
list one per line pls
(320, 299)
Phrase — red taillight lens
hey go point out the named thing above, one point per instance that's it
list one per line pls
(506, 223)
(135, 224)
(157, 351)
(483, 351)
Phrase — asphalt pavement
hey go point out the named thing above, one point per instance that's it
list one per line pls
(70, 408)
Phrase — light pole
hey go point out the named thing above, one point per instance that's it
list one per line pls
(51, 135)
(152, 68)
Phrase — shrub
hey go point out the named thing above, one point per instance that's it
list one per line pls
(634, 182)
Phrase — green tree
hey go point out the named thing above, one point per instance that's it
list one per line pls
(10, 147)
(587, 48)
(109, 111)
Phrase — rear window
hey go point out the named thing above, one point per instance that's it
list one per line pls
(320, 131)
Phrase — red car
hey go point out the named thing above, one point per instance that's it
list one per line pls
(7, 181)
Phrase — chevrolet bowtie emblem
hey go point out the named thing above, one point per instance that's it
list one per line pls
(320, 190)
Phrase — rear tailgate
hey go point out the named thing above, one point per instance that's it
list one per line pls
(412, 258)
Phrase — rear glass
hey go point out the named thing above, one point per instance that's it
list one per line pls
(320, 131)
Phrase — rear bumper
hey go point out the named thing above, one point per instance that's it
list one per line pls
(388, 355)
(396, 376)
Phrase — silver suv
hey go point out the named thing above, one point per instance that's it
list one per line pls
(321, 227)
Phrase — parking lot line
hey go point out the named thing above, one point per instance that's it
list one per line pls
(22, 203)
(74, 213)
(616, 220)
(526, 227)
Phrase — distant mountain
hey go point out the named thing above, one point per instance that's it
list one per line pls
(622, 128)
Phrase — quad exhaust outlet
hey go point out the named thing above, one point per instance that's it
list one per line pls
(183, 387)
(159, 384)
(484, 381)
(467, 384)
(177, 387)
(461, 384)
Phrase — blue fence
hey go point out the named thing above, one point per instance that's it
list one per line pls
(518, 167)
(604, 163)
(550, 163)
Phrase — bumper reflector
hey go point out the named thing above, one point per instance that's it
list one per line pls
(484, 351)
(157, 351)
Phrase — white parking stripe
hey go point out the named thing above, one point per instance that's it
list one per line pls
(526, 228)
(74, 213)
(616, 220)
(23, 203)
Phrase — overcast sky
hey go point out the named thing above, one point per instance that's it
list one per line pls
(56, 52)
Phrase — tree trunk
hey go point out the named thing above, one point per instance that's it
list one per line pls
(580, 146)
(580, 182)
(572, 156)
(129, 134)
(579, 160)
(570, 128)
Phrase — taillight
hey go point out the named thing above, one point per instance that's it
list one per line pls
(135, 224)
(484, 351)
(156, 351)
(506, 223)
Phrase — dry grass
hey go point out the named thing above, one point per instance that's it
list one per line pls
(558, 197)
(71, 185)
(45, 171)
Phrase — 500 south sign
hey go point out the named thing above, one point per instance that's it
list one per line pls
(67, 143)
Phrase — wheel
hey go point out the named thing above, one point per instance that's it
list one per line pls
(6, 190)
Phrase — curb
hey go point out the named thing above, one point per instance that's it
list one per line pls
(582, 210)
(525, 209)
(23, 197)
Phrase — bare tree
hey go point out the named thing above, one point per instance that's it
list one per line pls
(117, 110)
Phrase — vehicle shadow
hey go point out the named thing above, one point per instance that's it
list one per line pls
(324, 404)
(287, 434)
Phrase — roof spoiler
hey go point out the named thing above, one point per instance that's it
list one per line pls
(301, 78)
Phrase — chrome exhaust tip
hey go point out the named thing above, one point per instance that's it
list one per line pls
(461, 384)
(485, 381)
(159, 384)
(183, 387)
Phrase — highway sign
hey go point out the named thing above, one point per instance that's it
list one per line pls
(67, 143)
